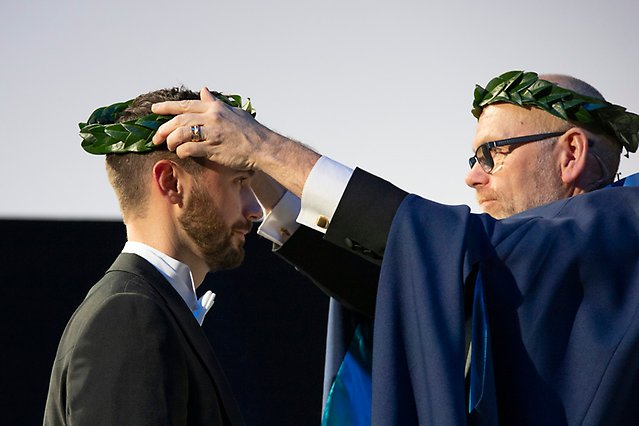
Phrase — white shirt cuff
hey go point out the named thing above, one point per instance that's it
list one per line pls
(322, 193)
(279, 224)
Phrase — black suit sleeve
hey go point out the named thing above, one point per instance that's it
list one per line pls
(360, 226)
(364, 215)
(349, 279)
(128, 367)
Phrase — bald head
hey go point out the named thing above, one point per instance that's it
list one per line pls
(533, 174)
(605, 147)
(574, 84)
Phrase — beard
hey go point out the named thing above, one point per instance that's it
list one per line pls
(215, 240)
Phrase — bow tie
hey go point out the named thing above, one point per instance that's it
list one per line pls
(204, 304)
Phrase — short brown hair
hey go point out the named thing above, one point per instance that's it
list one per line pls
(129, 173)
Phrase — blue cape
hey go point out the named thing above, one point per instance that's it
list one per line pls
(555, 314)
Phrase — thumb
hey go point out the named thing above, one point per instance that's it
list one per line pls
(206, 95)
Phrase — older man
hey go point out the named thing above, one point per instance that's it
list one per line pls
(553, 290)
(568, 159)
(134, 352)
(527, 174)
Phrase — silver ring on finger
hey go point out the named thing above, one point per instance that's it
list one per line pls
(196, 133)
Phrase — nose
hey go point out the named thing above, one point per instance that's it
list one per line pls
(476, 176)
(251, 208)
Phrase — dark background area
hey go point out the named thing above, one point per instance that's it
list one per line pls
(267, 326)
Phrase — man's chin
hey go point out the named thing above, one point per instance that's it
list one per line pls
(493, 208)
(230, 260)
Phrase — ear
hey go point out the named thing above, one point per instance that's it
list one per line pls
(166, 179)
(573, 153)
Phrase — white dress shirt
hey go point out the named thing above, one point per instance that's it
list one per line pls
(177, 274)
(322, 193)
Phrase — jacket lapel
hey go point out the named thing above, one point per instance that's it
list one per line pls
(189, 326)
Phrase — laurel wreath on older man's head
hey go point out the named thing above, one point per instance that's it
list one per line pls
(526, 89)
(102, 135)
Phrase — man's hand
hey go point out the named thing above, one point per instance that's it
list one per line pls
(232, 137)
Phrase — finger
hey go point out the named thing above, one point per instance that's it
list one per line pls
(186, 105)
(191, 149)
(178, 107)
(181, 135)
(175, 123)
(206, 95)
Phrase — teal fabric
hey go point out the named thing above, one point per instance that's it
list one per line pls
(349, 399)
(482, 407)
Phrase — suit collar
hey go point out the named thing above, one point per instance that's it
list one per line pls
(177, 273)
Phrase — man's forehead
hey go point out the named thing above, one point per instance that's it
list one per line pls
(220, 168)
(500, 121)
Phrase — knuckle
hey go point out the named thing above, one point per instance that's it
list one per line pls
(185, 133)
(214, 135)
(215, 111)
(185, 104)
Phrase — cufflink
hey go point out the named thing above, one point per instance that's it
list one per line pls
(285, 232)
(322, 222)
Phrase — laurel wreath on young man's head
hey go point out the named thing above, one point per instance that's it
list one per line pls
(102, 135)
(526, 89)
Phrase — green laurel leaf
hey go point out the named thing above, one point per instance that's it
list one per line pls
(526, 89)
(102, 135)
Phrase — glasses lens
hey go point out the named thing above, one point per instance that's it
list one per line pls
(472, 161)
(484, 158)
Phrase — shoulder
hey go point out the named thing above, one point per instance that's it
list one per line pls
(602, 204)
(119, 301)
(120, 294)
(603, 221)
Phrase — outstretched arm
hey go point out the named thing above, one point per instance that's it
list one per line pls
(232, 137)
(358, 221)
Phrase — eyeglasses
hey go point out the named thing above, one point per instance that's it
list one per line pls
(483, 154)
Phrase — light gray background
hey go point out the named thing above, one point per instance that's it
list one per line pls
(383, 85)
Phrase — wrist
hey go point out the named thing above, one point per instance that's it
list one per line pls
(268, 191)
(287, 161)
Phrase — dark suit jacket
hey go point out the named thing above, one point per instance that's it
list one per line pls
(133, 353)
(360, 226)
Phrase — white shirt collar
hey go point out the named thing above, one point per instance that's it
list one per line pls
(177, 274)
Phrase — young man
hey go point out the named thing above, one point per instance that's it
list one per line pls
(553, 290)
(134, 352)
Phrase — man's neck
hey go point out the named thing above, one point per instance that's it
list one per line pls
(162, 239)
